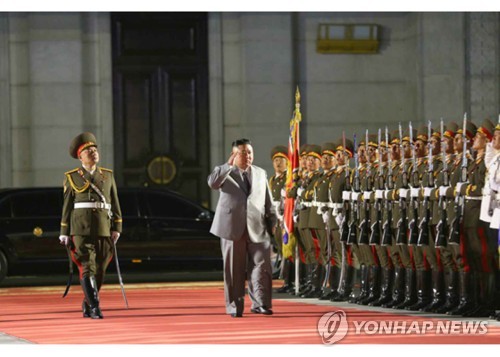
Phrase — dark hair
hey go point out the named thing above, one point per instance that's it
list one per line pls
(241, 141)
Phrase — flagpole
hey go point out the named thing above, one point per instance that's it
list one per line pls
(297, 117)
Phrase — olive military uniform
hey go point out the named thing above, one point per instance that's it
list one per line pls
(91, 212)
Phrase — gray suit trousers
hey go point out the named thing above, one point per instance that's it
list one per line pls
(244, 259)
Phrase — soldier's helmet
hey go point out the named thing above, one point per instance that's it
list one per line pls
(279, 151)
(80, 143)
(487, 128)
(349, 146)
(303, 149)
(329, 148)
(450, 130)
(314, 150)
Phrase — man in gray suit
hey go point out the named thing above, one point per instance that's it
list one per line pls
(244, 219)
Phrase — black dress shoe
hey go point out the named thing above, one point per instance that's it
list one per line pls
(262, 310)
(236, 314)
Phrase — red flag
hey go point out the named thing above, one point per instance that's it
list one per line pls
(292, 176)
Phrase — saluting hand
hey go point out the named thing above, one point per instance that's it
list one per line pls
(230, 161)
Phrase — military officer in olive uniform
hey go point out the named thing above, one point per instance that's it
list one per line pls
(277, 182)
(320, 205)
(91, 219)
(460, 252)
(481, 259)
(449, 266)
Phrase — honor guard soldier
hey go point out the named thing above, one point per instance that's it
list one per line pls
(393, 213)
(306, 194)
(277, 182)
(338, 220)
(293, 192)
(91, 219)
(460, 247)
(320, 210)
(369, 263)
(475, 229)
(378, 219)
(401, 204)
(443, 222)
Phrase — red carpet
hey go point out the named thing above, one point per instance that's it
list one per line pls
(191, 314)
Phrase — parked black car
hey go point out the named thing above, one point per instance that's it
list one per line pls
(161, 229)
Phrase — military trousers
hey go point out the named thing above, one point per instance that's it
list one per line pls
(307, 245)
(92, 255)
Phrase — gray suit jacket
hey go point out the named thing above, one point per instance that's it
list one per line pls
(235, 210)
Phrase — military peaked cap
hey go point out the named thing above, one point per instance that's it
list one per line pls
(80, 143)
(279, 151)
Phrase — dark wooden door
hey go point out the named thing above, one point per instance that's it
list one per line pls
(160, 101)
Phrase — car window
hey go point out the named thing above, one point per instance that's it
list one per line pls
(5, 207)
(164, 205)
(128, 204)
(37, 204)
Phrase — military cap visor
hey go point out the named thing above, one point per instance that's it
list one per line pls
(80, 143)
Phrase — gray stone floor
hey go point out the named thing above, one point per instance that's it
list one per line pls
(8, 339)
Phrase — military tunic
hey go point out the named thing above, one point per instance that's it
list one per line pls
(276, 184)
(90, 228)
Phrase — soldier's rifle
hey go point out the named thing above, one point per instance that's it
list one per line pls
(423, 237)
(459, 198)
(442, 228)
(364, 226)
(356, 188)
(389, 186)
(402, 225)
(344, 227)
(415, 184)
(375, 228)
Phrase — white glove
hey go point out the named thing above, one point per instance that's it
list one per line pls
(115, 236)
(442, 190)
(326, 217)
(295, 218)
(459, 185)
(379, 194)
(427, 191)
(64, 240)
(354, 196)
(366, 195)
(346, 195)
(403, 192)
(414, 192)
(299, 191)
(339, 219)
(283, 193)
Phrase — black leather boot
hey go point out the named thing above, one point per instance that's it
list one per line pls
(85, 308)
(438, 296)
(466, 299)
(486, 297)
(423, 290)
(364, 285)
(304, 288)
(451, 283)
(373, 285)
(345, 285)
(386, 288)
(89, 286)
(316, 282)
(398, 294)
(410, 290)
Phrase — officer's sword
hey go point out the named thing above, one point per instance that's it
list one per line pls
(70, 277)
(120, 275)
